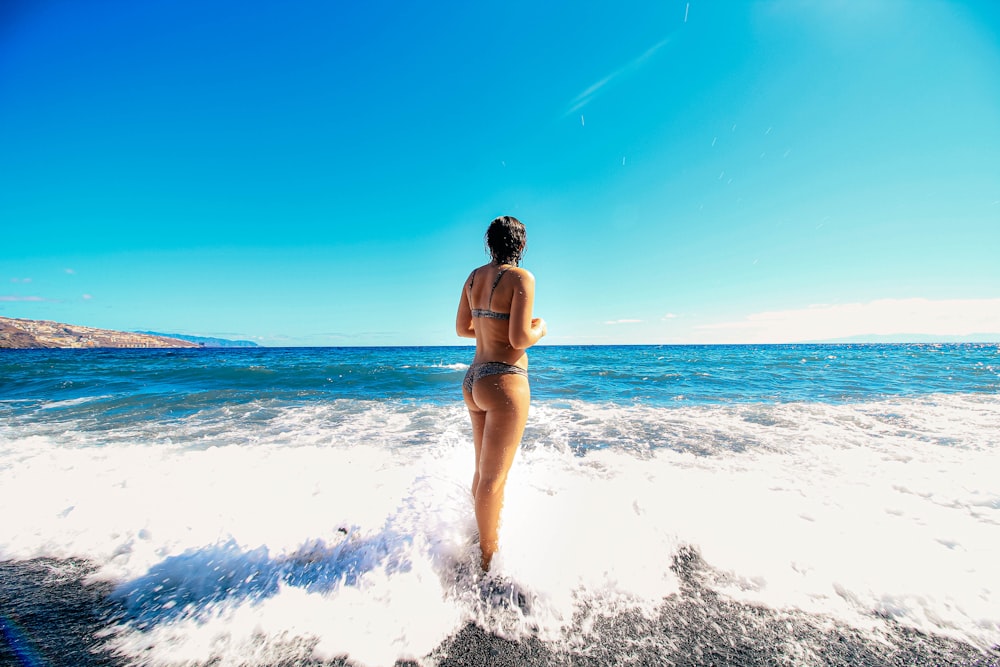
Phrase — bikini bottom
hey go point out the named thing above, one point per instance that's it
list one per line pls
(486, 368)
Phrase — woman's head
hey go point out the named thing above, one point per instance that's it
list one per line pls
(505, 240)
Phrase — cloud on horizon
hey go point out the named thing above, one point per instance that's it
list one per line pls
(15, 297)
(882, 317)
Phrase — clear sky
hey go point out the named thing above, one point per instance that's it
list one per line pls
(321, 173)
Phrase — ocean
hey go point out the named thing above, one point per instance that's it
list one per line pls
(685, 505)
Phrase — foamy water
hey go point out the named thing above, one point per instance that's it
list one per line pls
(258, 531)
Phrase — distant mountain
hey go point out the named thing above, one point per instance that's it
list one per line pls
(29, 334)
(205, 341)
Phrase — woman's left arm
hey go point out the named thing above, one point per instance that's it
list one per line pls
(524, 330)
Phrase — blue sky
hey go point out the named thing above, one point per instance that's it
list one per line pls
(321, 173)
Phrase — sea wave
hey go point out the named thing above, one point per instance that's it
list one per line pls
(346, 527)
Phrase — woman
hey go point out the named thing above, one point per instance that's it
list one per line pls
(495, 309)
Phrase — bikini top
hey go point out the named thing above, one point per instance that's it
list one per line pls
(481, 312)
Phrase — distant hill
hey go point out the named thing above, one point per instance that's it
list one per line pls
(205, 341)
(29, 334)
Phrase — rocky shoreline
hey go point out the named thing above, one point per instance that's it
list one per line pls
(31, 334)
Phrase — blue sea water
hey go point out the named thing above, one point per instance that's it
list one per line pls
(800, 504)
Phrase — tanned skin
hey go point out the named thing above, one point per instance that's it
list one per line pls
(498, 404)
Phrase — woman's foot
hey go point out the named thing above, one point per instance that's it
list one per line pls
(487, 550)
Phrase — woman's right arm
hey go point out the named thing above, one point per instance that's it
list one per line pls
(524, 330)
(463, 320)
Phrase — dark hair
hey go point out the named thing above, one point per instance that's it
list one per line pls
(505, 240)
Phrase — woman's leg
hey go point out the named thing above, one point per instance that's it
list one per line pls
(505, 399)
(478, 419)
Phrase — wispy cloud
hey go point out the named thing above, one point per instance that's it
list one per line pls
(883, 317)
(623, 321)
(594, 89)
(16, 297)
(670, 316)
(69, 271)
(20, 280)
(86, 297)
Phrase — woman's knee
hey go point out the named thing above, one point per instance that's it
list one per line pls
(490, 485)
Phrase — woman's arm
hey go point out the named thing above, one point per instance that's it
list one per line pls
(463, 321)
(524, 330)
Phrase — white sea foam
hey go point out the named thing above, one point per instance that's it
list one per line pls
(452, 367)
(347, 529)
(72, 401)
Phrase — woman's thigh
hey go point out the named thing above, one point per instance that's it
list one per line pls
(505, 399)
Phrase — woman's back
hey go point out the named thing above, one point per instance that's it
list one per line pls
(497, 298)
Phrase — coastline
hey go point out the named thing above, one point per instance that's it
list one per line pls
(56, 613)
(21, 334)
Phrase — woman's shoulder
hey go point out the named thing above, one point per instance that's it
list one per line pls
(522, 273)
(519, 273)
(475, 272)
(481, 268)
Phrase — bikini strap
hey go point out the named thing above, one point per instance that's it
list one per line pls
(494, 287)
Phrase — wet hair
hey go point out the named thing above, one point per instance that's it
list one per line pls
(505, 240)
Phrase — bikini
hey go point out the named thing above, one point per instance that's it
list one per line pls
(480, 312)
(487, 368)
